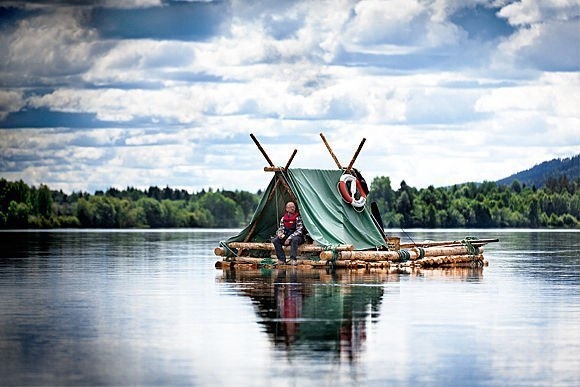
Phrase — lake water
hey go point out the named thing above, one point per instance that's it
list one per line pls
(150, 308)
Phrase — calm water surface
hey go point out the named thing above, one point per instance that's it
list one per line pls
(150, 308)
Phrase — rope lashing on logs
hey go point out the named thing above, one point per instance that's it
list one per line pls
(404, 255)
(229, 252)
(421, 252)
(471, 249)
(332, 261)
(266, 262)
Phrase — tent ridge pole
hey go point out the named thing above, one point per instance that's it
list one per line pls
(355, 155)
(261, 149)
(330, 151)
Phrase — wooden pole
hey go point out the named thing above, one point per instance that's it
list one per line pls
(261, 149)
(280, 169)
(290, 160)
(355, 155)
(475, 242)
(281, 178)
(330, 151)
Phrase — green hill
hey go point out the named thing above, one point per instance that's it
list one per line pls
(540, 174)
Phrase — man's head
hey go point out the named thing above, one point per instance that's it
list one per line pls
(290, 207)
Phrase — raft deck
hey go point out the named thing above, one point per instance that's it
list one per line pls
(464, 253)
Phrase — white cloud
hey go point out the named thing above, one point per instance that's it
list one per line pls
(527, 12)
(10, 101)
(547, 37)
(48, 45)
(552, 93)
(386, 22)
(287, 71)
(131, 3)
(147, 61)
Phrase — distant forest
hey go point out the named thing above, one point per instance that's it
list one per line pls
(472, 205)
(541, 173)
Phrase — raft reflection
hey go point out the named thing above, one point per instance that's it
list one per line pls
(315, 313)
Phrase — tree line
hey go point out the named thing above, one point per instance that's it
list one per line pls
(22, 206)
(485, 205)
(470, 205)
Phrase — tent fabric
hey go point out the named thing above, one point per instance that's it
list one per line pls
(267, 216)
(328, 219)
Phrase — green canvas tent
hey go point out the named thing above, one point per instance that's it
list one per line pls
(328, 219)
(335, 225)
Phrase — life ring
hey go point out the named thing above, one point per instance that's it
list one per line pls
(355, 185)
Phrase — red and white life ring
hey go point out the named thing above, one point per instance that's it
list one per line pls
(351, 197)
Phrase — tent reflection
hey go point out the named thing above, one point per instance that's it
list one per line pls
(318, 313)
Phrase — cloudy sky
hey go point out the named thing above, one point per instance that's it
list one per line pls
(99, 94)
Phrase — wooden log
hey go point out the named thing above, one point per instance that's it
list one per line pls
(442, 251)
(361, 255)
(413, 254)
(268, 246)
(475, 242)
(259, 261)
(451, 259)
(443, 261)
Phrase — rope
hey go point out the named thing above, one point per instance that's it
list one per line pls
(471, 249)
(229, 252)
(408, 236)
(404, 255)
(266, 262)
(421, 252)
(332, 261)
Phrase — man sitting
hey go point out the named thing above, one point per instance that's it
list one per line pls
(290, 233)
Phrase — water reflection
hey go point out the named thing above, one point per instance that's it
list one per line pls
(320, 314)
(142, 307)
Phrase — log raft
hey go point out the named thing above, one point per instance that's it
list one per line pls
(425, 254)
